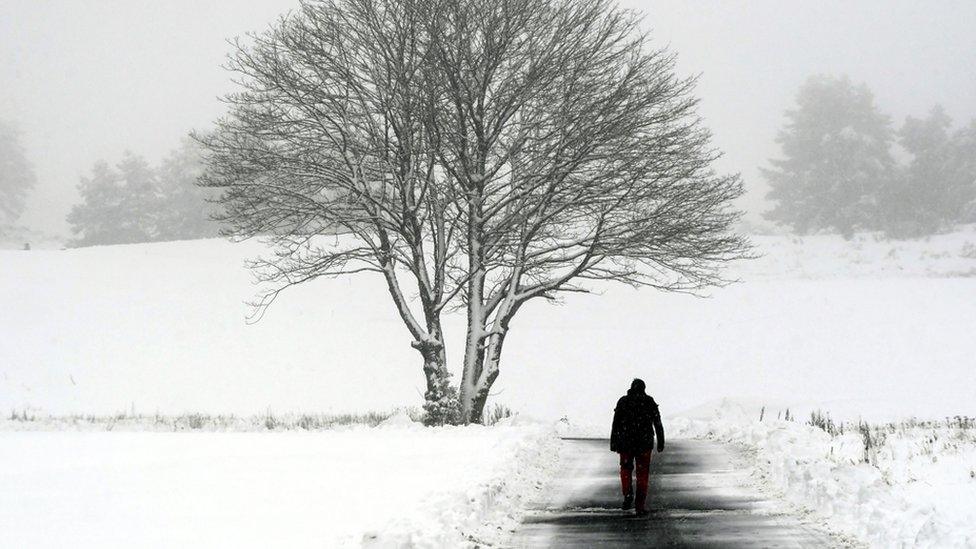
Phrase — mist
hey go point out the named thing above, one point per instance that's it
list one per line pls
(87, 81)
(487, 273)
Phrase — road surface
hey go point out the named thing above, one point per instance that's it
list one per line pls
(699, 496)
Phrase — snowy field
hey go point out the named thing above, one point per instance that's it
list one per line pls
(878, 328)
(396, 485)
(864, 329)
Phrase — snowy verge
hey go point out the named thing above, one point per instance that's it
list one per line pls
(913, 485)
(485, 510)
(395, 485)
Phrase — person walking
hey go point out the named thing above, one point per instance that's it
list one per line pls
(636, 422)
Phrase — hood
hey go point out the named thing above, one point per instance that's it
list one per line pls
(637, 387)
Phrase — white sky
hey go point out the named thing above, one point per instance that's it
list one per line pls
(85, 80)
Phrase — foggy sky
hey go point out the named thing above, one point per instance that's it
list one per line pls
(85, 80)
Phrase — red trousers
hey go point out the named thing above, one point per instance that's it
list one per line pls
(643, 461)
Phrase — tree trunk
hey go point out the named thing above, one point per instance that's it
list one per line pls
(474, 357)
(485, 357)
(489, 373)
(474, 350)
(474, 391)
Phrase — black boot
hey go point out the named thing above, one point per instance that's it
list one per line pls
(628, 502)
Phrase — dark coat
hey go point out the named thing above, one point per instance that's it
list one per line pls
(636, 419)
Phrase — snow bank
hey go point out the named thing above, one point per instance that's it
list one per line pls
(486, 509)
(573, 428)
(389, 486)
(160, 328)
(400, 420)
(917, 489)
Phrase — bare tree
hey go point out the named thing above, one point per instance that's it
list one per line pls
(328, 135)
(491, 151)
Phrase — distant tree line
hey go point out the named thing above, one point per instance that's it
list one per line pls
(16, 175)
(134, 201)
(844, 167)
(127, 203)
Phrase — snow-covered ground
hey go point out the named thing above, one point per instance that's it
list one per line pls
(915, 486)
(160, 328)
(865, 329)
(864, 256)
(396, 485)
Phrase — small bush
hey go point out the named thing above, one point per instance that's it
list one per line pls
(196, 421)
(22, 416)
(823, 421)
(499, 412)
(309, 423)
(874, 438)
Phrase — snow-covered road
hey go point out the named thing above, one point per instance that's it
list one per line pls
(700, 496)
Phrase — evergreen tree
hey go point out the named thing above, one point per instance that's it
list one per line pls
(184, 211)
(913, 202)
(141, 200)
(16, 175)
(963, 162)
(836, 154)
(113, 207)
(936, 188)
